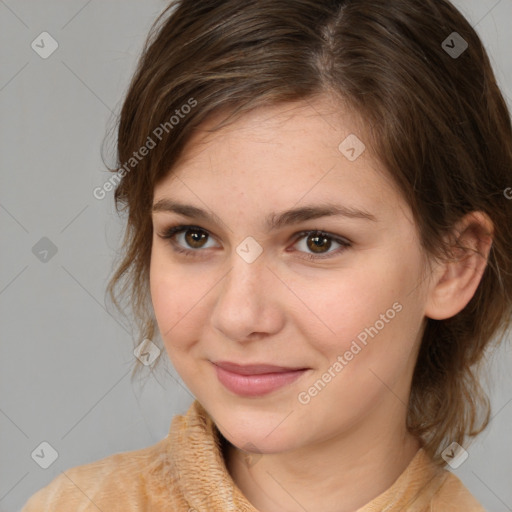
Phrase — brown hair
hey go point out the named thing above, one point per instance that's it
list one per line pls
(437, 121)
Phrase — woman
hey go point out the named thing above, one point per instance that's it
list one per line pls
(318, 230)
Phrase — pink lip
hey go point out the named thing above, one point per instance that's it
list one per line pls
(254, 369)
(255, 380)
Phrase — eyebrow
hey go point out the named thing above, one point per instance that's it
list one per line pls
(275, 220)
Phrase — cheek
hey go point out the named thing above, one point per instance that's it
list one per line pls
(171, 295)
(369, 316)
(179, 294)
(345, 305)
(372, 351)
(172, 299)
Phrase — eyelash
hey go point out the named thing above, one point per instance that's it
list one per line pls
(172, 231)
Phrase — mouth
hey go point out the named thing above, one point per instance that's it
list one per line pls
(255, 369)
(256, 379)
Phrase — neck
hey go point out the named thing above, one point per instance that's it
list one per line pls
(337, 474)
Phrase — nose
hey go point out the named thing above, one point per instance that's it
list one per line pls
(249, 302)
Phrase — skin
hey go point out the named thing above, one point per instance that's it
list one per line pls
(349, 443)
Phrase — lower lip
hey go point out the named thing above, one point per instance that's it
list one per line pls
(256, 385)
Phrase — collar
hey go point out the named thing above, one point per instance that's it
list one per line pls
(201, 478)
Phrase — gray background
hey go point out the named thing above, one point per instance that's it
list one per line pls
(64, 361)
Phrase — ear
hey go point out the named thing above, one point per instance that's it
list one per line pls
(456, 281)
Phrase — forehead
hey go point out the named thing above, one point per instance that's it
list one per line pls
(284, 123)
(284, 156)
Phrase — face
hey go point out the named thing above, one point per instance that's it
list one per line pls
(346, 304)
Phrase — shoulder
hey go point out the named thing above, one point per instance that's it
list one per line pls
(125, 481)
(454, 496)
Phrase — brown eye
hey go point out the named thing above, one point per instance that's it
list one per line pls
(195, 238)
(318, 243)
(187, 238)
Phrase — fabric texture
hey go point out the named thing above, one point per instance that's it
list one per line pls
(186, 472)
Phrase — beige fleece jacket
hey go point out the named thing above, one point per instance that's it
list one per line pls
(185, 472)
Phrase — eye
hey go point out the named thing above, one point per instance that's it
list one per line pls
(319, 242)
(194, 236)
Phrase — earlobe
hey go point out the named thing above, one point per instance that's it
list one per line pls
(456, 281)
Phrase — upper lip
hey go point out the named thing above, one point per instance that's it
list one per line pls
(254, 369)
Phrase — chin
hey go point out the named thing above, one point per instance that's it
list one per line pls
(255, 431)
